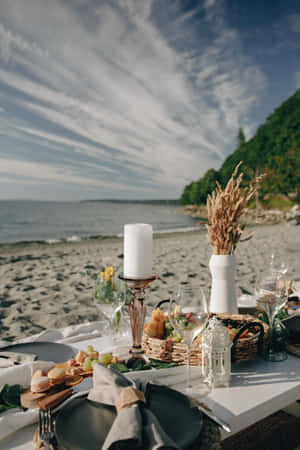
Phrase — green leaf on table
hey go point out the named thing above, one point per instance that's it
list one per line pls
(120, 367)
(10, 396)
(157, 364)
(138, 364)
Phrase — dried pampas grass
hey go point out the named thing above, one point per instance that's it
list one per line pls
(224, 209)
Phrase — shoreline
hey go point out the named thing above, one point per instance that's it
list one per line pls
(17, 245)
(75, 239)
(51, 286)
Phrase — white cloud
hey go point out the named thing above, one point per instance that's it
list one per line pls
(111, 87)
(209, 3)
(46, 172)
(294, 22)
(297, 79)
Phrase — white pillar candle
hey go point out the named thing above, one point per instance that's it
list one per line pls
(137, 251)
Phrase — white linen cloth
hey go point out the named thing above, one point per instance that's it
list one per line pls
(14, 419)
(10, 359)
(65, 335)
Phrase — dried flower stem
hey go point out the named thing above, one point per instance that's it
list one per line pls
(224, 209)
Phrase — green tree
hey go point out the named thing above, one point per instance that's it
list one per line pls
(275, 148)
(241, 138)
(185, 198)
(283, 174)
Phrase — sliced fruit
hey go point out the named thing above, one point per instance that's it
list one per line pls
(80, 357)
(87, 373)
(74, 380)
(62, 365)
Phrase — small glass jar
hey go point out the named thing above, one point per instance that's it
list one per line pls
(216, 354)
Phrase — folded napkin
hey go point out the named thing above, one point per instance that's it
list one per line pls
(14, 419)
(135, 426)
(9, 359)
(67, 335)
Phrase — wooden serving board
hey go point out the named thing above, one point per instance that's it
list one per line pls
(45, 400)
(295, 350)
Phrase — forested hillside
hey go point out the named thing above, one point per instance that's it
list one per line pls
(275, 150)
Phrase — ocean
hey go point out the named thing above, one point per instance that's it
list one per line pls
(50, 222)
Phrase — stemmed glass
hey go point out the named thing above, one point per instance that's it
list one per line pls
(271, 295)
(111, 304)
(276, 264)
(188, 314)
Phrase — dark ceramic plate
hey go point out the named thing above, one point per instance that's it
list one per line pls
(292, 323)
(45, 351)
(83, 425)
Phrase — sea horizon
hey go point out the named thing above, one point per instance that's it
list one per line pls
(50, 222)
(111, 200)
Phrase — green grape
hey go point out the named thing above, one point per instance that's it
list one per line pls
(89, 349)
(105, 358)
(87, 365)
(175, 336)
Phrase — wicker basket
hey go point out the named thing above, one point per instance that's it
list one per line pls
(243, 349)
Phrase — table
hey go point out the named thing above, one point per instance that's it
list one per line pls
(258, 389)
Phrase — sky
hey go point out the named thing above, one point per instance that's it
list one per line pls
(133, 99)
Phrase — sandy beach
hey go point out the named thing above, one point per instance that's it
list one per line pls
(49, 286)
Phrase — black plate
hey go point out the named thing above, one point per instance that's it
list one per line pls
(45, 351)
(292, 323)
(83, 425)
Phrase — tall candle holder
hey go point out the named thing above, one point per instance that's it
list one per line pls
(137, 311)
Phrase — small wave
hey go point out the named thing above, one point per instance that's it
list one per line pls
(67, 239)
(73, 239)
(52, 241)
(178, 230)
(173, 230)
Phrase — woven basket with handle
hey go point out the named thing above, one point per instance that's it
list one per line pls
(243, 348)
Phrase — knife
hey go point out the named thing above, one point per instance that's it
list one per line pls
(209, 413)
(76, 391)
(58, 399)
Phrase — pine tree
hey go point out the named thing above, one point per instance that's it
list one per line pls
(241, 138)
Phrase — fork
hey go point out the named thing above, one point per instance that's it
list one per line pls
(46, 429)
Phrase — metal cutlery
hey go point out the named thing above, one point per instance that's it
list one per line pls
(209, 413)
(46, 427)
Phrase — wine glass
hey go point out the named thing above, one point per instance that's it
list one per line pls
(111, 302)
(271, 296)
(188, 314)
(276, 264)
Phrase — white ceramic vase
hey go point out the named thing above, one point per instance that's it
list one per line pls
(223, 290)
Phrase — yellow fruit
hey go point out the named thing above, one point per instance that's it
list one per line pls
(80, 357)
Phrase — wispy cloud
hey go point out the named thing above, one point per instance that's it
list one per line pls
(297, 79)
(294, 22)
(136, 97)
(45, 173)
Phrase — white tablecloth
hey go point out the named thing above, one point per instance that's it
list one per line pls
(75, 336)
(257, 389)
